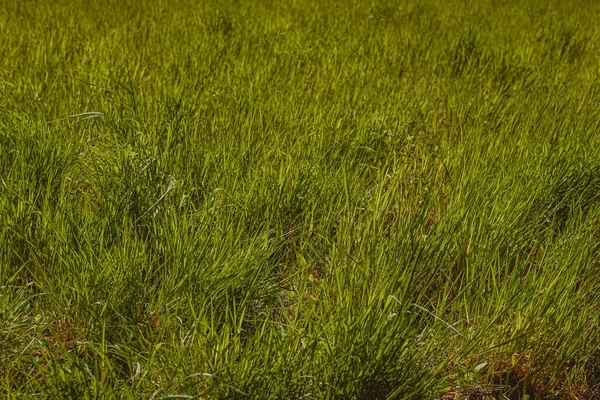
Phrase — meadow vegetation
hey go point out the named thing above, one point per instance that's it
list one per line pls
(299, 199)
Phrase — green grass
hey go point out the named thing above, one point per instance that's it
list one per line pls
(300, 199)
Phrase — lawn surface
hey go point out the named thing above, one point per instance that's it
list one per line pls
(299, 199)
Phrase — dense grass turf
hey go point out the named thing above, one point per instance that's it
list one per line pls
(319, 199)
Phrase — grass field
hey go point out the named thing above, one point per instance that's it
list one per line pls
(300, 199)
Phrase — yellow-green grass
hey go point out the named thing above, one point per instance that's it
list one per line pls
(299, 199)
